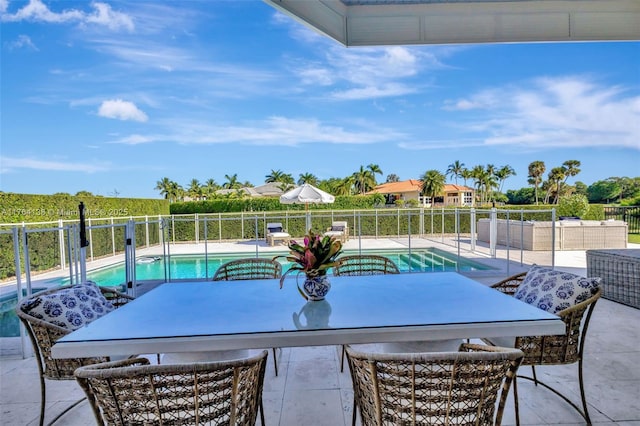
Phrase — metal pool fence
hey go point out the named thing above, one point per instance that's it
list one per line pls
(35, 248)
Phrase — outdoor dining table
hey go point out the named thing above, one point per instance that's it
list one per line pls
(182, 317)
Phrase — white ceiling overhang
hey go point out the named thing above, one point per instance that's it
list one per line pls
(405, 22)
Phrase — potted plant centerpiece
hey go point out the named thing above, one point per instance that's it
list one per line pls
(313, 257)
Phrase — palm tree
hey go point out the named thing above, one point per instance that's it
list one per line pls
(164, 186)
(232, 182)
(571, 168)
(466, 174)
(502, 174)
(556, 177)
(363, 180)
(209, 188)
(176, 192)
(536, 170)
(479, 175)
(455, 170)
(375, 170)
(275, 176)
(195, 189)
(309, 178)
(432, 184)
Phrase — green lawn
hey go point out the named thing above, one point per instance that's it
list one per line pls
(634, 238)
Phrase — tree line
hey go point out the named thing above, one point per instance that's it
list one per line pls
(488, 181)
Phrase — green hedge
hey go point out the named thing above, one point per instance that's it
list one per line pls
(228, 205)
(16, 208)
(44, 253)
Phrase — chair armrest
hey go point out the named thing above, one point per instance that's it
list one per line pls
(115, 297)
(510, 285)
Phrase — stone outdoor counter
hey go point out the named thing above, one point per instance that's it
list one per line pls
(570, 234)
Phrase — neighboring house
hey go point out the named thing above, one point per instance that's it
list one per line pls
(273, 189)
(452, 195)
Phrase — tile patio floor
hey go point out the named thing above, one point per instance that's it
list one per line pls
(310, 389)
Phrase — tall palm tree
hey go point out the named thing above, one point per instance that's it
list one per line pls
(176, 192)
(164, 186)
(455, 170)
(209, 188)
(536, 170)
(502, 174)
(556, 177)
(375, 170)
(571, 168)
(363, 180)
(466, 174)
(309, 178)
(232, 182)
(479, 175)
(432, 184)
(195, 189)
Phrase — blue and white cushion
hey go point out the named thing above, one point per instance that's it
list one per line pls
(554, 291)
(71, 308)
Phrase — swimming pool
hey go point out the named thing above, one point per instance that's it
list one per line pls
(184, 267)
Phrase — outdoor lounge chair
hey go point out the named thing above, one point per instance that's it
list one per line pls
(131, 392)
(275, 232)
(537, 287)
(45, 326)
(339, 229)
(439, 388)
(251, 268)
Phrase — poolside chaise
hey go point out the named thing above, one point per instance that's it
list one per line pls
(338, 229)
(275, 232)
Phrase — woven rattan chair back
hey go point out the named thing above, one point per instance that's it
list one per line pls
(567, 348)
(366, 264)
(446, 388)
(248, 269)
(131, 392)
(44, 335)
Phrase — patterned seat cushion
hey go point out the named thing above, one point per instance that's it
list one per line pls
(554, 291)
(72, 307)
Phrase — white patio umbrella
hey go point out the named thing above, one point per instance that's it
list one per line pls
(306, 194)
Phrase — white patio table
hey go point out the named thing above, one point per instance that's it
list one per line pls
(211, 316)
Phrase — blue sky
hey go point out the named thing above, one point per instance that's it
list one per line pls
(110, 97)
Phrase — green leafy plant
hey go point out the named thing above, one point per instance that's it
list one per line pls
(573, 205)
(314, 256)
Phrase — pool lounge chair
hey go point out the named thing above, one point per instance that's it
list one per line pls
(275, 232)
(339, 229)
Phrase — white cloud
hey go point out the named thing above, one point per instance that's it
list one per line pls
(23, 41)
(553, 112)
(273, 131)
(8, 164)
(368, 73)
(37, 11)
(121, 110)
(104, 15)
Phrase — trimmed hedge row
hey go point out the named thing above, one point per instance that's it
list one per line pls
(44, 247)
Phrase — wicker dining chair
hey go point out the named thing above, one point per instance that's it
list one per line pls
(567, 348)
(364, 264)
(250, 268)
(131, 392)
(44, 333)
(435, 388)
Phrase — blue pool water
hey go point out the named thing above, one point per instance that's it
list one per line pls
(183, 267)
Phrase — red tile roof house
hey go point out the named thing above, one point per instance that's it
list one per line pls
(452, 195)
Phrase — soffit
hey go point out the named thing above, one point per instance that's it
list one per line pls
(406, 22)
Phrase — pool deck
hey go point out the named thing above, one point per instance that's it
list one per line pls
(310, 389)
